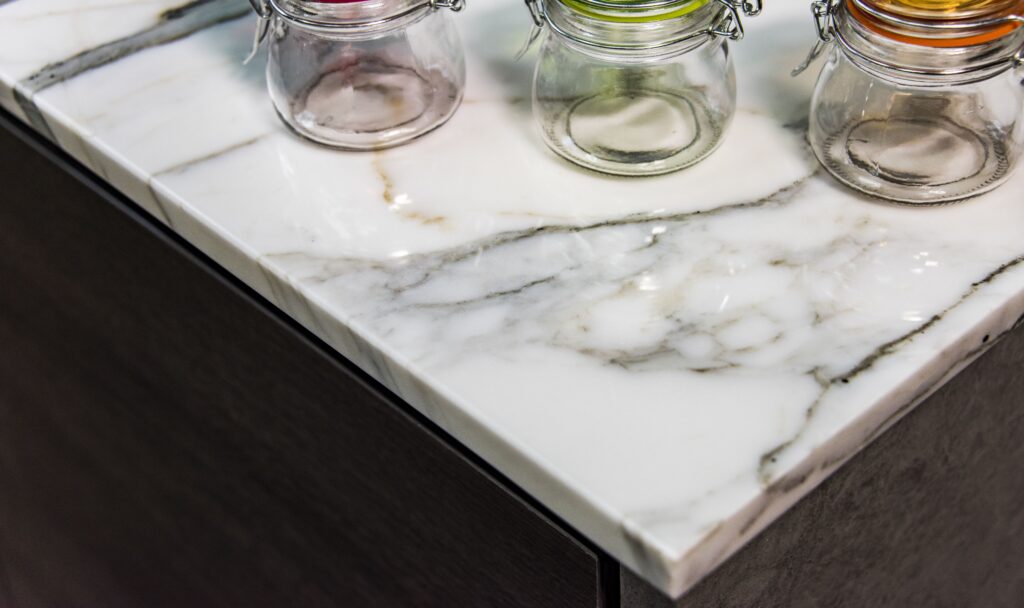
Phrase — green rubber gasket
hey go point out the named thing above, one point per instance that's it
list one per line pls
(685, 7)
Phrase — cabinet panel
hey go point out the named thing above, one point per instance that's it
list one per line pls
(168, 439)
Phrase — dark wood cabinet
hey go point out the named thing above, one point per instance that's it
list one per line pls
(169, 439)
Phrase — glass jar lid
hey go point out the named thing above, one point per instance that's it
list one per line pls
(634, 11)
(940, 23)
(641, 30)
(341, 14)
(343, 18)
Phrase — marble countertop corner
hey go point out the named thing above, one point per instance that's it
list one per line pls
(667, 363)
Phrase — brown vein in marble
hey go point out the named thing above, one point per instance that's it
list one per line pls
(385, 179)
(388, 194)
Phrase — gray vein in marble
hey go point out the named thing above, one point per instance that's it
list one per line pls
(785, 485)
(405, 276)
(159, 203)
(491, 295)
(172, 25)
(764, 469)
(33, 115)
(986, 343)
(438, 260)
(233, 147)
(401, 277)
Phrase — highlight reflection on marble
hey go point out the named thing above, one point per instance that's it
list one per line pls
(666, 363)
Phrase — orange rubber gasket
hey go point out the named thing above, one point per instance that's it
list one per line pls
(951, 10)
(875, 26)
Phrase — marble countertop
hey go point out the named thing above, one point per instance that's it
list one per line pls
(666, 363)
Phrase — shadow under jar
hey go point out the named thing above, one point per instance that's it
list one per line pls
(363, 74)
(920, 110)
(636, 87)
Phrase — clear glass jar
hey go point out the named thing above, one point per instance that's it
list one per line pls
(635, 88)
(363, 74)
(921, 112)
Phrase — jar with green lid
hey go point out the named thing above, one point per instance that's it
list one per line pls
(636, 87)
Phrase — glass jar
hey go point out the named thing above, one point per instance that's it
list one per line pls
(632, 87)
(921, 111)
(363, 74)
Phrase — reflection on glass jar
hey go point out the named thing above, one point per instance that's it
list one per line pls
(635, 88)
(913, 117)
(364, 74)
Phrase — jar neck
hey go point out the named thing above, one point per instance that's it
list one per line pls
(940, 28)
(635, 11)
(356, 16)
(945, 9)
(666, 29)
(923, 65)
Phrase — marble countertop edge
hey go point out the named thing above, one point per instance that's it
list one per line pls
(887, 340)
(675, 573)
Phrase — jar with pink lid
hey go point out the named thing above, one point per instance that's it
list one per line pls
(363, 74)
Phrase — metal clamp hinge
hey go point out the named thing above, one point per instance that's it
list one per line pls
(824, 14)
(263, 13)
(536, 13)
(453, 5)
(731, 24)
(750, 8)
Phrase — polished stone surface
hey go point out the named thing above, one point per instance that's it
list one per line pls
(666, 363)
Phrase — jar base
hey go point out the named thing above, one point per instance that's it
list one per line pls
(371, 105)
(641, 133)
(919, 160)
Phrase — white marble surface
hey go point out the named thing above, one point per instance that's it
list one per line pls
(666, 363)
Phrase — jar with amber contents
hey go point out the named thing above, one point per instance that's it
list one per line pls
(636, 87)
(362, 74)
(921, 100)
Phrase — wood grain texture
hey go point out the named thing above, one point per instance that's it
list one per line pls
(168, 440)
(930, 515)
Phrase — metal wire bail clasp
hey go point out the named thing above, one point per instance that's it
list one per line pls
(263, 13)
(537, 14)
(824, 14)
(453, 5)
(731, 24)
(750, 8)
